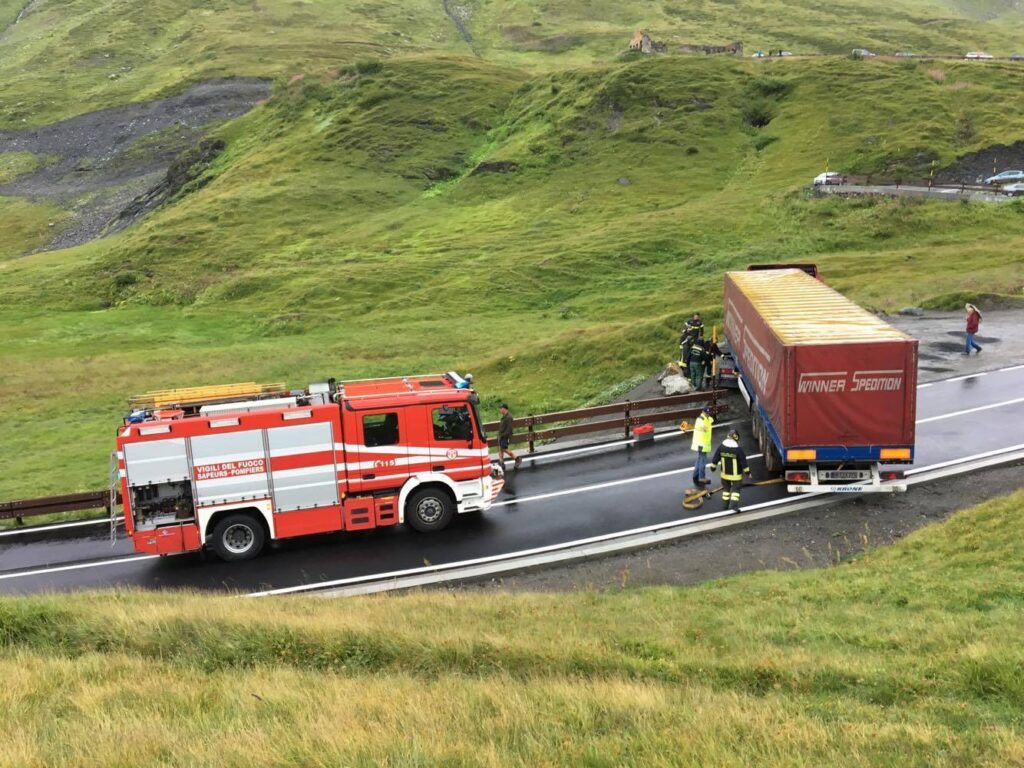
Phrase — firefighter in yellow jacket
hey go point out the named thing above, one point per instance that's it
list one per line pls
(734, 469)
(701, 445)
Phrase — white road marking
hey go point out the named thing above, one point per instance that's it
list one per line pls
(971, 410)
(77, 566)
(923, 386)
(58, 526)
(968, 376)
(599, 486)
(574, 543)
(952, 462)
(1011, 368)
(583, 489)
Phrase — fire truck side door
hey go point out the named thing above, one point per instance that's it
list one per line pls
(451, 441)
(383, 456)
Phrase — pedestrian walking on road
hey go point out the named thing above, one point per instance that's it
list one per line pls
(698, 359)
(505, 438)
(734, 469)
(973, 323)
(701, 444)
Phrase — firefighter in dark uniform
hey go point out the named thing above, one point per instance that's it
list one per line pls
(734, 469)
(698, 361)
(692, 330)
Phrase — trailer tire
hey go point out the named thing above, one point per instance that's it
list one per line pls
(238, 537)
(772, 459)
(429, 509)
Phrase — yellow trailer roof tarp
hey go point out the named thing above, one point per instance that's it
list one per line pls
(802, 310)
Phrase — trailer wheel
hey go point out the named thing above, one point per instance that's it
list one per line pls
(772, 459)
(238, 537)
(429, 509)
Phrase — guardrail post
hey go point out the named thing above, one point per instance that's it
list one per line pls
(529, 426)
(625, 420)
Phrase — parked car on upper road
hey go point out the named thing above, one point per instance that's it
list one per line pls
(1013, 190)
(829, 177)
(1005, 177)
(978, 56)
(905, 55)
(863, 53)
(1017, 57)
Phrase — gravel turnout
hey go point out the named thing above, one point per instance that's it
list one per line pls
(96, 163)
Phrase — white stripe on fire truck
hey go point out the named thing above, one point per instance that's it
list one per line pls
(279, 488)
(298, 451)
(226, 457)
(286, 473)
(175, 457)
(403, 450)
(278, 474)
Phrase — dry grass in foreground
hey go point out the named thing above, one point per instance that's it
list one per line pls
(908, 656)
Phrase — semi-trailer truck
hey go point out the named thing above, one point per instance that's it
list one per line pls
(831, 387)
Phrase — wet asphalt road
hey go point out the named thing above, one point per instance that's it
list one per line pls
(547, 503)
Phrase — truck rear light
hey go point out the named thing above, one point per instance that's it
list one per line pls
(801, 455)
(798, 477)
(891, 475)
(895, 454)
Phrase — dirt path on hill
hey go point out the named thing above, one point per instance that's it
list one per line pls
(95, 164)
(459, 15)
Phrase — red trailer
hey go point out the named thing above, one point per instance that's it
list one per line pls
(832, 388)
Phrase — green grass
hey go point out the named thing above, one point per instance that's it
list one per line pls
(906, 656)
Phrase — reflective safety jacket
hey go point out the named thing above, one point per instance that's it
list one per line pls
(702, 434)
(733, 460)
(697, 354)
(693, 330)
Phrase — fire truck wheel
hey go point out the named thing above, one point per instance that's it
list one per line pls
(430, 509)
(238, 537)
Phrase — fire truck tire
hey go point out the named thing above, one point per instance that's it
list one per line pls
(238, 537)
(429, 509)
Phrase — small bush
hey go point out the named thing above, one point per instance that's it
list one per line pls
(758, 114)
(369, 66)
(770, 87)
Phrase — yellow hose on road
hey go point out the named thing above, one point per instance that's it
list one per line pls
(694, 498)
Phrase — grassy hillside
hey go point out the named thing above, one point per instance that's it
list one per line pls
(70, 57)
(546, 231)
(908, 656)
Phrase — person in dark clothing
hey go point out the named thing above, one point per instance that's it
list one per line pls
(698, 360)
(734, 469)
(973, 324)
(505, 438)
(692, 330)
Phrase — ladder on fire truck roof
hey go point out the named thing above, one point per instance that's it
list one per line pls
(192, 397)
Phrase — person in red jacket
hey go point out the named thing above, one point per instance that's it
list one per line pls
(973, 323)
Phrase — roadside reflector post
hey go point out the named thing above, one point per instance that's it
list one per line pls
(625, 420)
(529, 426)
(19, 520)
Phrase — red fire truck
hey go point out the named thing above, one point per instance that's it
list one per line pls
(229, 468)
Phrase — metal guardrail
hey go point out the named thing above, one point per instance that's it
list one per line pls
(53, 504)
(631, 414)
(630, 417)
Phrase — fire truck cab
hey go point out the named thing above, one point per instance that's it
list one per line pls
(230, 468)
